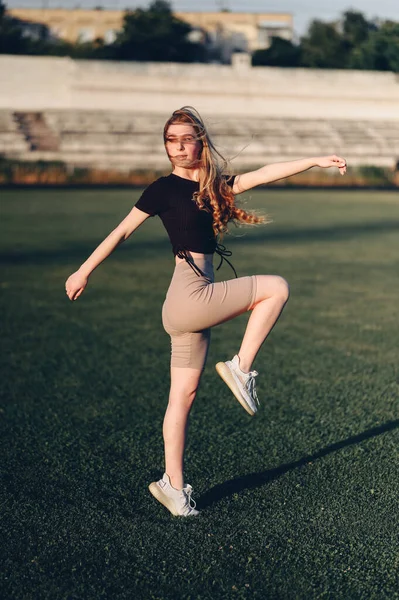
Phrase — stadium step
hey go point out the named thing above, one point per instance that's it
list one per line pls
(36, 131)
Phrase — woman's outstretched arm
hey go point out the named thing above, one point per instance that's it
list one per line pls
(76, 283)
(277, 171)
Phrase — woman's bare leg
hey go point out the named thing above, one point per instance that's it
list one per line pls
(183, 389)
(271, 296)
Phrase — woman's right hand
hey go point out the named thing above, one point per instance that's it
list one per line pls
(75, 285)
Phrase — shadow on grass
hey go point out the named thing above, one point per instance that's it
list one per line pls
(79, 252)
(254, 480)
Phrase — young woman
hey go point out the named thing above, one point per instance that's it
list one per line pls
(195, 203)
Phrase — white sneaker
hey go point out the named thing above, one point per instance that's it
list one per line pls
(179, 502)
(241, 384)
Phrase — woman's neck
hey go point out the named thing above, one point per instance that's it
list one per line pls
(191, 174)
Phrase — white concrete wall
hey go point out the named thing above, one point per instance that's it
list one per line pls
(35, 83)
(32, 83)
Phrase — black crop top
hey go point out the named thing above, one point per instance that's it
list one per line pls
(188, 227)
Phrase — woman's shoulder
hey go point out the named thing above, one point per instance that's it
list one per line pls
(158, 184)
(153, 200)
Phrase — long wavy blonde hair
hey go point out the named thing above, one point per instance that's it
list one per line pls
(214, 195)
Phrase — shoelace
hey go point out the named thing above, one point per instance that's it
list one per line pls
(188, 490)
(251, 385)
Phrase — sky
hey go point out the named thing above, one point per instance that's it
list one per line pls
(303, 11)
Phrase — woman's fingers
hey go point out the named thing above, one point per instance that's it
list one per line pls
(342, 166)
(336, 161)
(341, 161)
(74, 294)
(75, 285)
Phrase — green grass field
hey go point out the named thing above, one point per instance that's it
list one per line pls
(299, 502)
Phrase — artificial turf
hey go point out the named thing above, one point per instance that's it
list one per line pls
(299, 502)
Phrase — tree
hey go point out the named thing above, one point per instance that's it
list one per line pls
(12, 40)
(153, 34)
(16, 38)
(156, 34)
(356, 44)
(323, 47)
(355, 28)
(380, 51)
(281, 53)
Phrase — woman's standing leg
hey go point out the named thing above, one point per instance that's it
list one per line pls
(183, 389)
(188, 358)
(189, 352)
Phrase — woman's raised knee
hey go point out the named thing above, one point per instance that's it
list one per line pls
(283, 288)
(269, 286)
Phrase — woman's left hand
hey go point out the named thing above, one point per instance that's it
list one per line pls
(332, 161)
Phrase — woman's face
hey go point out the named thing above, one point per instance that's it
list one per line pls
(182, 146)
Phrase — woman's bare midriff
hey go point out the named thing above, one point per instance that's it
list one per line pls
(194, 255)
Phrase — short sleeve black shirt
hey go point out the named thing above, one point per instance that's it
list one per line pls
(188, 227)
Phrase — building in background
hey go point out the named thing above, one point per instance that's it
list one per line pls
(224, 33)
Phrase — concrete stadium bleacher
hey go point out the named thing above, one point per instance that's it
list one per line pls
(12, 143)
(130, 140)
(110, 114)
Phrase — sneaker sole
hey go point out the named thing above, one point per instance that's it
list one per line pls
(162, 498)
(227, 376)
(168, 503)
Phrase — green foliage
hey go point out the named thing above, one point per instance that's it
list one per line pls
(353, 42)
(12, 40)
(374, 175)
(281, 53)
(156, 34)
(380, 51)
(153, 34)
(323, 47)
(355, 28)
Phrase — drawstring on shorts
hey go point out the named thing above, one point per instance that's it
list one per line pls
(220, 250)
(223, 252)
(184, 254)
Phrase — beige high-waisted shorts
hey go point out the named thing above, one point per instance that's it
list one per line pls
(194, 304)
